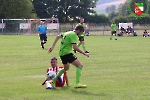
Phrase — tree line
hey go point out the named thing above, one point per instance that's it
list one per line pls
(69, 10)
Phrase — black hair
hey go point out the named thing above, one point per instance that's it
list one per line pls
(81, 28)
(53, 58)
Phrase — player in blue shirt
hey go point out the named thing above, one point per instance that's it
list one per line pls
(42, 33)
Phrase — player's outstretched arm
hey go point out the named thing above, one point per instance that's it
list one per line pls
(75, 47)
(54, 43)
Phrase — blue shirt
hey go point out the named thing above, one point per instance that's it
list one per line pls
(42, 29)
(130, 29)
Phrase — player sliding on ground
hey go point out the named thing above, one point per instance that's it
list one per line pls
(68, 43)
(61, 80)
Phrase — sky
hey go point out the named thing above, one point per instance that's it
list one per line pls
(101, 8)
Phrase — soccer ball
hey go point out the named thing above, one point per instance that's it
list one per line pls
(51, 75)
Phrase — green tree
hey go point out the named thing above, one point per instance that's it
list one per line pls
(123, 9)
(143, 20)
(101, 18)
(110, 8)
(120, 19)
(111, 15)
(64, 9)
(16, 9)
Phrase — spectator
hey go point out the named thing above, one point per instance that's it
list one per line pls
(129, 30)
(72, 28)
(87, 32)
(148, 33)
(122, 31)
(145, 34)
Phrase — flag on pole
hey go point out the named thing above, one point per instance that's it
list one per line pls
(138, 8)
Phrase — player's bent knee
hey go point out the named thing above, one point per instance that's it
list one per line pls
(80, 66)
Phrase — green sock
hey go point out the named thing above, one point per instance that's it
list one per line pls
(58, 74)
(78, 75)
(83, 46)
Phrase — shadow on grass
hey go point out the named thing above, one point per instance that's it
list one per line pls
(83, 92)
(62, 88)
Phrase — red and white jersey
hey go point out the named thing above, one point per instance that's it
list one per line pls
(56, 69)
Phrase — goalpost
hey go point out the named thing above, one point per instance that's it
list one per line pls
(125, 25)
(28, 26)
(51, 23)
(53, 26)
(130, 30)
(2, 25)
(25, 27)
(13, 26)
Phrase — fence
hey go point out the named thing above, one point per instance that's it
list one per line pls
(29, 26)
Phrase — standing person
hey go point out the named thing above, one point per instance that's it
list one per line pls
(72, 28)
(42, 33)
(61, 80)
(81, 37)
(113, 31)
(69, 42)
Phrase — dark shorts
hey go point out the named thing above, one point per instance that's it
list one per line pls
(81, 38)
(43, 37)
(113, 32)
(69, 58)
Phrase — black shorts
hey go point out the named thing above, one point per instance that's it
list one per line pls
(43, 37)
(81, 38)
(69, 58)
(113, 32)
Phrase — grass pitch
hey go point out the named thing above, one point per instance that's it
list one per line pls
(115, 70)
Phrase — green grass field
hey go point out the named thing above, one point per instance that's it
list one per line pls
(115, 70)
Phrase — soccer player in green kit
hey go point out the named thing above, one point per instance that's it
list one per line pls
(69, 42)
(113, 30)
(81, 37)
